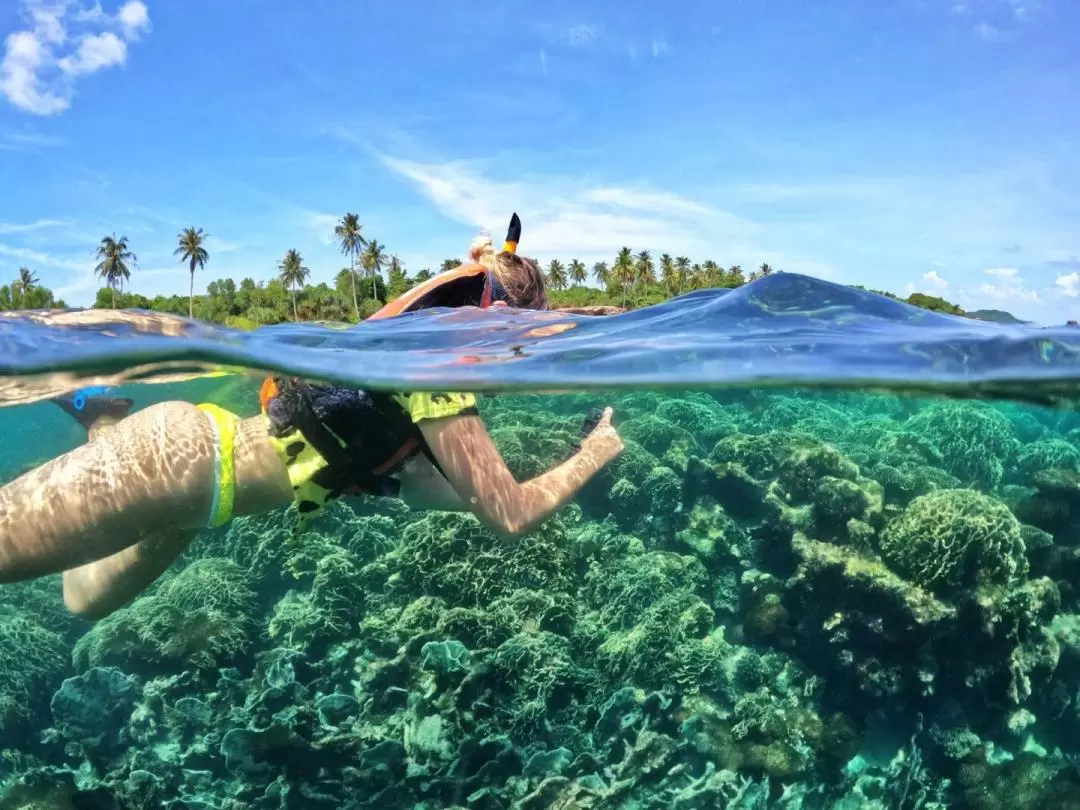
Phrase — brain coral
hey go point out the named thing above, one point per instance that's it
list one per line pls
(974, 440)
(955, 537)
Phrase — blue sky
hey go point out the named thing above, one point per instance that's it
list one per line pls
(904, 144)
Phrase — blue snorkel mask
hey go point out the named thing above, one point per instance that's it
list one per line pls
(83, 395)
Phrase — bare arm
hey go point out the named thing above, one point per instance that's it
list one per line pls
(475, 469)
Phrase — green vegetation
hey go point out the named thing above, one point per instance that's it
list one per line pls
(631, 280)
(113, 257)
(25, 293)
(995, 316)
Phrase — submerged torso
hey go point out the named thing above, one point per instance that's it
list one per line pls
(336, 440)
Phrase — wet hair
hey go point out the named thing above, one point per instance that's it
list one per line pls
(522, 279)
(482, 251)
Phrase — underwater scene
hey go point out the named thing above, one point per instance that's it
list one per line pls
(783, 593)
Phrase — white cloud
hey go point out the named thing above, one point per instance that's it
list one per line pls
(659, 201)
(1008, 292)
(86, 281)
(660, 47)
(543, 61)
(1021, 10)
(217, 245)
(27, 227)
(582, 35)
(95, 52)
(1010, 287)
(994, 19)
(322, 225)
(1068, 284)
(24, 55)
(62, 42)
(28, 140)
(931, 283)
(934, 281)
(568, 216)
(134, 19)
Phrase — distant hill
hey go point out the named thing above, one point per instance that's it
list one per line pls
(995, 316)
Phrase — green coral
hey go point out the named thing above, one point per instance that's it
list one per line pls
(529, 450)
(32, 660)
(705, 423)
(451, 555)
(541, 676)
(664, 489)
(976, 442)
(650, 624)
(956, 537)
(201, 618)
(655, 433)
(1047, 454)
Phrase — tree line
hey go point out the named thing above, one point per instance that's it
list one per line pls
(359, 289)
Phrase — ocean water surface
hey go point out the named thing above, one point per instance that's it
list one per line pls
(835, 567)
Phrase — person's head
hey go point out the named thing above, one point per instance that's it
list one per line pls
(521, 279)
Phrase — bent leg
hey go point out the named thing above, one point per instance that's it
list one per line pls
(96, 589)
(152, 472)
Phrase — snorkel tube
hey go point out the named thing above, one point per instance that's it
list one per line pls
(428, 294)
(513, 234)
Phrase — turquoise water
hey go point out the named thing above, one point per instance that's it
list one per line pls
(776, 597)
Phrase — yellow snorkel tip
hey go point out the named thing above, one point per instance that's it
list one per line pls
(513, 235)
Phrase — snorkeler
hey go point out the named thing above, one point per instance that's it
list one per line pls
(115, 513)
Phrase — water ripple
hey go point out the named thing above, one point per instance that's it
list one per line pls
(780, 330)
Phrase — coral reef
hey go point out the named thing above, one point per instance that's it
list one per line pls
(785, 601)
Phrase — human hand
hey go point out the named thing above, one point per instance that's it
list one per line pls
(603, 440)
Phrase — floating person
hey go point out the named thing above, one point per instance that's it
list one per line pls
(115, 513)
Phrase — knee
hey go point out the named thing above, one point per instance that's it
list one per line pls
(80, 602)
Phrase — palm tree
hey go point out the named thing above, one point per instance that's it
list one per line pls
(373, 260)
(449, 264)
(351, 242)
(624, 270)
(667, 272)
(765, 269)
(577, 272)
(601, 273)
(113, 257)
(711, 273)
(397, 279)
(28, 280)
(190, 249)
(734, 276)
(682, 273)
(293, 274)
(697, 276)
(644, 272)
(23, 286)
(556, 275)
